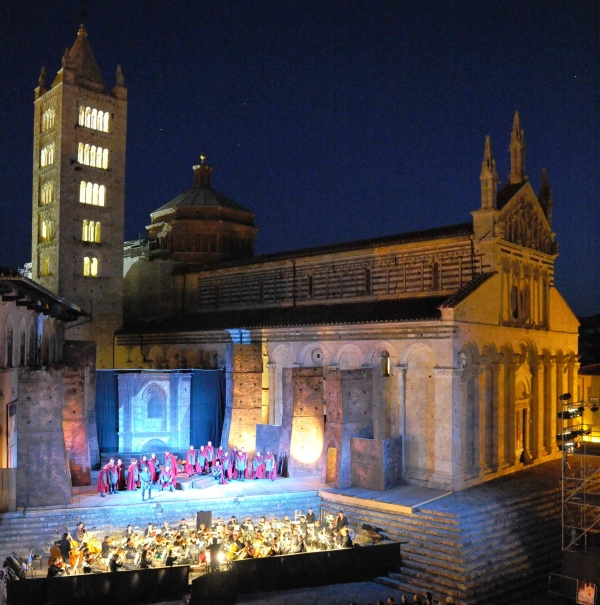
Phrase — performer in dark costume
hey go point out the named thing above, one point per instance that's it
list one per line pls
(270, 466)
(145, 480)
(241, 464)
(171, 460)
(190, 461)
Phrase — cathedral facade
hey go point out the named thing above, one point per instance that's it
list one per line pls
(439, 354)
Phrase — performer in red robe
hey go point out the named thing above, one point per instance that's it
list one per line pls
(270, 466)
(102, 485)
(154, 467)
(132, 475)
(171, 461)
(258, 466)
(219, 454)
(121, 482)
(190, 461)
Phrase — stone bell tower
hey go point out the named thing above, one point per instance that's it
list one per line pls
(79, 192)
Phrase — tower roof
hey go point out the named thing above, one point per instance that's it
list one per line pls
(82, 60)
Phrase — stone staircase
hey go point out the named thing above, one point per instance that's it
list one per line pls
(491, 543)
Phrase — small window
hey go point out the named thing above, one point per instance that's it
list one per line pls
(435, 276)
(368, 282)
(311, 286)
(514, 302)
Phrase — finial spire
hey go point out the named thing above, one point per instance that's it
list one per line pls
(42, 80)
(65, 58)
(545, 196)
(517, 152)
(202, 172)
(119, 78)
(488, 177)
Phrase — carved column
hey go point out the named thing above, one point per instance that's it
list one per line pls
(550, 374)
(399, 411)
(485, 418)
(497, 445)
(538, 416)
(272, 369)
(510, 417)
(572, 370)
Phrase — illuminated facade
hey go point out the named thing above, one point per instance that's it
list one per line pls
(452, 343)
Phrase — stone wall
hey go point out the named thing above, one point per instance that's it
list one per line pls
(349, 396)
(243, 410)
(303, 420)
(267, 439)
(43, 476)
(376, 463)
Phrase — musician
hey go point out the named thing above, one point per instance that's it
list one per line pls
(340, 521)
(258, 466)
(56, 568)
(128, 533)
(232, 522)
(80, 531)
(132, 475)
(154, 467)
(190, 461)
(214, 550)
(310, 517)
(170, 559)
(167, 531)
(270, 466)
(65, 548)
(247, 525)
(241, 464)
(149, 531)
(105, 554)
(183, 526)
(210, 454)
(121, 482)
(102, 485)
(114, 563)
(145, 560)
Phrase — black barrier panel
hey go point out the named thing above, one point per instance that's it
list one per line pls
(217, 588)
(120, 588)
(315, 568)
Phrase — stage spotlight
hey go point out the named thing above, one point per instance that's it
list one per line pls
(581, 408)
(570, 413)
(594, 408)
(565, 397)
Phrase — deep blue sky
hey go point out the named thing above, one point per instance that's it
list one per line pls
(332, 121)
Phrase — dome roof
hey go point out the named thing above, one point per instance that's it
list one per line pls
(202, 197)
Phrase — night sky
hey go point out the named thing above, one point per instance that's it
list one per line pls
(331, 121)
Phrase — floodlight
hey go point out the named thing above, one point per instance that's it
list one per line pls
(565, 397)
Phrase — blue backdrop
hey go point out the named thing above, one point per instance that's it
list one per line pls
(207, 408)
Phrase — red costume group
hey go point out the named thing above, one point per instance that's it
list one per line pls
(223, 465)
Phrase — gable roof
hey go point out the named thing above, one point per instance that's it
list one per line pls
(465, 290)
(507, 193)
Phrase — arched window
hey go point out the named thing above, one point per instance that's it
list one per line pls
(80, 153)
(102, 195)
(88, 193)
(44, 268)
(46, 193)
(31, 349)
(92, 232)
(94, 267)
(93, 120)
(105, 159)
(514, 302)
(8, 340)
(86, 155)
(22, 347)
(95, 194)
(45, 230)
(97, 233)
(82, 192)
(48, 119)
(435, 276)
(99, 156)
(81, 115)
(86, 266)
(156, 402)
(51, 154)
(105, 125)
(84, 231)
(92, 161)
(88, 116)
